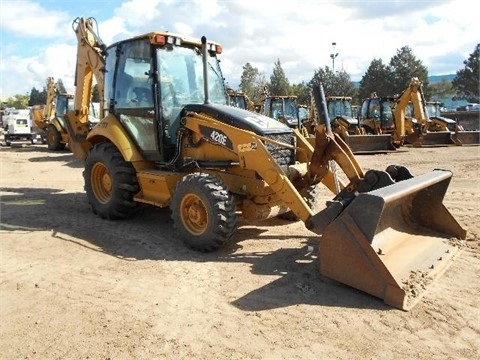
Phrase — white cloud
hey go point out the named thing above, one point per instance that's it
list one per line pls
(28, 18)
(299, 33)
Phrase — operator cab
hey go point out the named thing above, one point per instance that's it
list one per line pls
(283, 109)
(376, 113)
(148, 82)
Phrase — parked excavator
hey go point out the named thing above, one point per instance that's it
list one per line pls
(169, 139)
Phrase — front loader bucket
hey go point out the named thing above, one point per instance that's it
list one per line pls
(432, 138)
(392, 242)
(467, 137)
(363, 144)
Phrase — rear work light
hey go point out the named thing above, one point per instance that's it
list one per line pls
(159, 39)
(172, 40)
(214, 48)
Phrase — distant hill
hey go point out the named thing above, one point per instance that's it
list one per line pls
(437, 78)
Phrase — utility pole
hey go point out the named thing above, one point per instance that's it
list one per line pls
(333, 56)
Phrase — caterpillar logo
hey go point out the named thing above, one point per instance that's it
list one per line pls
(217, 136)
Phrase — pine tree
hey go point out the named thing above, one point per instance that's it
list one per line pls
(279, 84)
(467, 80)
(403, 67)
(376, 79)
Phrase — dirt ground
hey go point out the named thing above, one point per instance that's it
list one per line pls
(74, 286)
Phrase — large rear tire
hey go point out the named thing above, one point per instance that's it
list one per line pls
(310, 195)
(203, 212)
(110, 182)
(54, 139)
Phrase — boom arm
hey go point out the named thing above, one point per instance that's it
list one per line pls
(49, 106)
(90, 62)
(42, 114)
(413, 93)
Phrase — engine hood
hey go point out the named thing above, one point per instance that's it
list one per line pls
(444, 119)
(240, 118)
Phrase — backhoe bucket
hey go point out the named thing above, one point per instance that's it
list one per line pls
(392, 242)
(363, 144)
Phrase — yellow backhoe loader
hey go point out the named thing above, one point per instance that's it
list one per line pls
(360, 139)
(50, 118)
(438, 122)
(417, 130)
(240, 99)
(170, 140)
(283, 108)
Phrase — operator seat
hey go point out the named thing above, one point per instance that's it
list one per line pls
(123, 85)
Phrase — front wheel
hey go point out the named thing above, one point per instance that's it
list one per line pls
(203, 212)
(110, 182)
(310, 195)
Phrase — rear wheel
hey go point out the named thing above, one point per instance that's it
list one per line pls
(110, 182)
(54, 139)
(203, 212)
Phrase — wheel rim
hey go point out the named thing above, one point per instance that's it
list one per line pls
(101, 183)
(194, 214)
(51, 138)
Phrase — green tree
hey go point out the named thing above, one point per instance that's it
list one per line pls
(334, 84)
(252, 82)
(17, 101)
(403, 67)
(37, 97)
(279, 84)
(60, 87)
(376, 79)
(95, 95)
(467, 80)
(302, 92)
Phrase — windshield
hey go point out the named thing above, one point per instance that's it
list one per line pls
(284, 108)
(409, 111)
(238, 101)
(432, 110)
(181, 74)
(339, 108)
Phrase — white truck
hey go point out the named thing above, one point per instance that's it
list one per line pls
(18, 126)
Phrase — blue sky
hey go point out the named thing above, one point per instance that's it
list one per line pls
(37, 40)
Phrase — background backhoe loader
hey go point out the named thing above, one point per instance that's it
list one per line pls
(360, 139)
(50, 118)
(418, 130)
(240, 99)
(438, 122)
(180, 145)
(283, 108)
